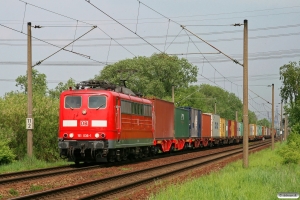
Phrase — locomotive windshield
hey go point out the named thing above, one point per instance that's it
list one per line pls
(97, 102)
(73, 102)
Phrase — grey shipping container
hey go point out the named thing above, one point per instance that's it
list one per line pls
(194, 121)
(215, 125)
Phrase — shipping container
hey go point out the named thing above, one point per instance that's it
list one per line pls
(226, 128)
(235, 128)
(163, 119)
(263, 130)
(231, 128)
(206, 126)
(241, 129)
(277, 132)
(181, 123)
(222, 127)
(267, 131)
(214, 124)
(195, 122)
(259, 130)
(251, 129)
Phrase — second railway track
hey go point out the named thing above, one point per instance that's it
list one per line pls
(103, 188)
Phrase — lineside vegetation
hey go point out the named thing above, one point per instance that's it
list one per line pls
(267, 175)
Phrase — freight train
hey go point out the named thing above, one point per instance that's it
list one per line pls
(101, 122)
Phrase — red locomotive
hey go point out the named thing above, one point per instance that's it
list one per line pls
(100, 122)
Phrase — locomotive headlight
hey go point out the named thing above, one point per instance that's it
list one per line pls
(97, 135)
(71, 135)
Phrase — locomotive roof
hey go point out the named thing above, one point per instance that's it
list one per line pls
(104, 91)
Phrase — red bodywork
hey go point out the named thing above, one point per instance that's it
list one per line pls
(109, 122)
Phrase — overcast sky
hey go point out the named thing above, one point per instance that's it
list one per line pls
(274, 34)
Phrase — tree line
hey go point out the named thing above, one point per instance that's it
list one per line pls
(150, 76)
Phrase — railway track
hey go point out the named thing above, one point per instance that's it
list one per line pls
(40, 173)
(105, 187)
(15, 177)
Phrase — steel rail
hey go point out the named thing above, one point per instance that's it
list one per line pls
(75, 190)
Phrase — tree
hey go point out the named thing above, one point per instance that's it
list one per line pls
(264, 122)
(290, 76)
(55, 93)
(204, 97)
(151, 76)
(39, 83)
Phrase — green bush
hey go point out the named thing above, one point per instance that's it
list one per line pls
(6, 154)
(13, 112)
(291, 151)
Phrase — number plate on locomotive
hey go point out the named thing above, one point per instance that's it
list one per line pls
(84, 123)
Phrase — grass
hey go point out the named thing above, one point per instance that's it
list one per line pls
(29, 164)
(35, 188)
(13, 192)
(125, 169)
(265, 177)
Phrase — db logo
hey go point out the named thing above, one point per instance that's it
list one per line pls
(84, 123)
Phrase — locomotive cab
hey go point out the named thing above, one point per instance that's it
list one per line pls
(104, 125)
(84, 131)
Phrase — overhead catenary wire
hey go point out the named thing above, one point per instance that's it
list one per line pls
(183, 35)
(24, 17)
(108, 51)
(167, 36)
(123, 26)
(39, 62)
(79, 21)
(137, 18)
(208, 61)
(158, 12)
(161, 43)
(75, 34)
(213, 14)
(183, 27)
(85, 56)
(234, 60)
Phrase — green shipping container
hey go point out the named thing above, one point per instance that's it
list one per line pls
(181, 123)
(259, 130)
(241, 129)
